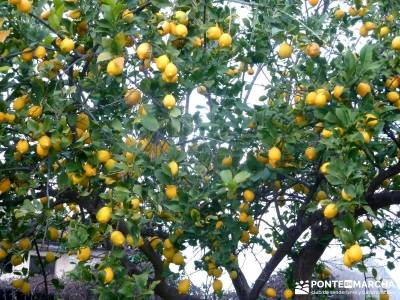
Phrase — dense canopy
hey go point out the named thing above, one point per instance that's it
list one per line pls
(150, 129)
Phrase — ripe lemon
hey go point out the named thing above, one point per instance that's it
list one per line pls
(310, 153)
(162, 62)
(171, 191)
(115, 67)
(321, 195)
(35, 111)
(103, 156)
(339, 14)
(270, 293)
(182, 17)
(17, 283)
(16, 260)
(164, 28)
(217, 286)
(363, 89)
(53, 233)
(143, 51)
(110, 164)
(233, 274)
(330, 211)
(355, 253)
(288, 293)
(393, 96)
(243, 217)
(45, 142)
(371, 120)
(338, 91)
(313, 2)
(274, 154)
(310, 98)
(197, 42)
(24, 244)
(178, 259)
(103, 216)
(366, 136)
(127, 16)
(184, 286)
(108, 275)
(40, 52)
(384, 31)
(22, 146)
(117, 238)
(169, 101)
(132, 97)
(248, 195)
(83, 254)
(173, 167)
(170, 70)
(214, 33)
(245, 237)
(225, 40)
(313, 50)
(20, 102)
(50, 257)
(41, 151)
(346, 196)
(180, 31)
(396, 43)
(26, 287)
(24, 6)
(89, 170)
(227, 161)
(320, 100)
(27, 55)
(67, 45)
(285, 50)
(135, 203)
(326, 133)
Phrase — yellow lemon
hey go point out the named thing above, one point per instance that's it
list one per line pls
(162, 62)
(170, 70)
(24, 244)
(217, 286)
(227, 161)
(171, 191)
(143, 51)
(67, 45)
(53, 233)
(103, 156)
(270, 293)
(285, 50)
(40, 52)
(214, 33)
(27, 55)
(109, 275)
(103, 216)
(83, 254)
(330, 211)
(117, 238)
(248, 195)
(288, 293)
(115, 67)
(184, 286)
(50, 257)
(396, 43)
(313, 50)
(225, 40)
(355, 253)
(178, 259)
(169, 101)
(310, 153)
(371, 120)
(363, 89)
(173, 167)
(22, 146)
(45, 142)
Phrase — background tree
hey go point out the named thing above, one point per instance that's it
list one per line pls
(99, 146)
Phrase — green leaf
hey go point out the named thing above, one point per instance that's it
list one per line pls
(226, 176)
(241, 177)
(150, 123)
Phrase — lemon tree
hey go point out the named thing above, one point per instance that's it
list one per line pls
(103, 145)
